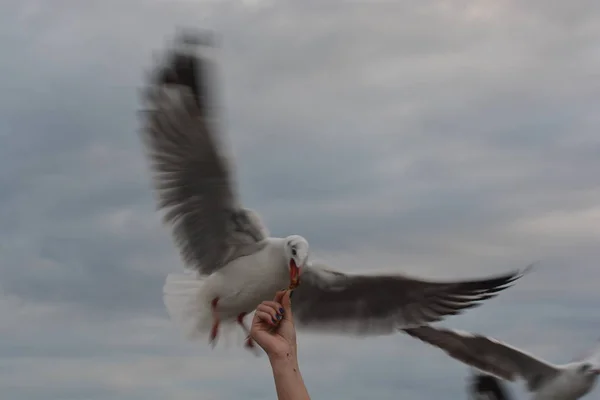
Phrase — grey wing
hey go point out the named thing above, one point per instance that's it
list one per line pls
(380, 304)
(488, 355)
(191, 174)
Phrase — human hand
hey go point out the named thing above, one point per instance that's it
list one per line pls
(273, 327)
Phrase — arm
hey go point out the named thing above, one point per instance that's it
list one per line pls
(288, 379)
(273, 329)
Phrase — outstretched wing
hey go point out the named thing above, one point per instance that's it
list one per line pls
(488, 355)
(192, 176)
(329, 300)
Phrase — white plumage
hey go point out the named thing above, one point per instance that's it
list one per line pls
(240, 286)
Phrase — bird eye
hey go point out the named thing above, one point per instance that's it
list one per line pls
(293, 252)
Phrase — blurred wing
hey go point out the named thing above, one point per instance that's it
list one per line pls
(191, 175)
(328, 300)
(487, 387)
(488, 355)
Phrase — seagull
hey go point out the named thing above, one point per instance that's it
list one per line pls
(233, 263)
(545, 381)
(487, 387)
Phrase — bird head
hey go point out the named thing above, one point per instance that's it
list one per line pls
(296, 252)
(588, 370)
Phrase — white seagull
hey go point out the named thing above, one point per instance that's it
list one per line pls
(236, 264)
(544, 380)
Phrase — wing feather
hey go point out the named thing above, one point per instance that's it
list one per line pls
(329, 300)
(488, 355)
(192, 176)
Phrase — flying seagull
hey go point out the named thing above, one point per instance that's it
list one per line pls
(487, 387)
(544, 380)
(236, 264)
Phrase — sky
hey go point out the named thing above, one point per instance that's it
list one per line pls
(441, 139)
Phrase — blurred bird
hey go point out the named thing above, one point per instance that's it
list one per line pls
(544, 380)
(236, 264)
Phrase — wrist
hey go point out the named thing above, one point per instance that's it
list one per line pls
(284, 360)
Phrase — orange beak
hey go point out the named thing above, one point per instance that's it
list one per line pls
(294, 274)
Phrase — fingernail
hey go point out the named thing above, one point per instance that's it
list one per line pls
(281, 310)
(278, 316)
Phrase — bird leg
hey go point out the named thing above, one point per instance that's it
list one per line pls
(240, 320)
(215, 327)
(249, 344)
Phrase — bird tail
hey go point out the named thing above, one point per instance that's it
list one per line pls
(188, 306)
(487, 387)
(183, 295)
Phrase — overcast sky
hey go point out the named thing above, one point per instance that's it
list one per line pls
(445, 139)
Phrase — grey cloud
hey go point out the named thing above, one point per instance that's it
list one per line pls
(437, 138)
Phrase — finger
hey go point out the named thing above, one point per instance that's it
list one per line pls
(279, 295)
(266, 318)
(286, 302)
(275, 315)
(270, 307)
(275, 305)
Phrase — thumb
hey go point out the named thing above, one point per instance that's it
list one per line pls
(286, 303)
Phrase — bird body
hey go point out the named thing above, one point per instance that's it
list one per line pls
(569, 384)
(240, 286)
(247, 281)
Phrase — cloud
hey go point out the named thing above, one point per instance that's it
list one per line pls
(443, 139)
